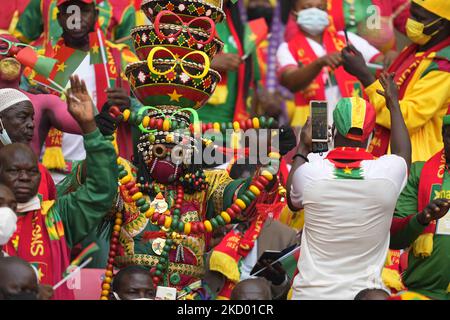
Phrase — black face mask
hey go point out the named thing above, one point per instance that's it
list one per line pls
(260, 12)
(21, 296)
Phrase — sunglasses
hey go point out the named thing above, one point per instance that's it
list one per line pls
(178, 61)
(6, 45)
(204, 23)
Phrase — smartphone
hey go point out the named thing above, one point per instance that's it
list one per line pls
(319, 123)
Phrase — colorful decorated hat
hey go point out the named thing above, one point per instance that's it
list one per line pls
(176, 87)
(355, 113)
(183, 41)
(186, 9)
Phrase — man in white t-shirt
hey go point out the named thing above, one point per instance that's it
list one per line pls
(310, 64)
(349, 199)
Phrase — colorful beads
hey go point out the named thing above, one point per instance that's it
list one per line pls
(137, 196)
(125, 179)
(253, 189)
(187, 228)
(241, 204)
(146, 121)
(255, 122)
(266, 174)
(208, 226)
(126, 114)
(225, 216)
(167, 222)
(166, 125)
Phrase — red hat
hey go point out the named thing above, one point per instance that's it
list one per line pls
(60, 2)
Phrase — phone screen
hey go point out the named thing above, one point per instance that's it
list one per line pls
(319, 121)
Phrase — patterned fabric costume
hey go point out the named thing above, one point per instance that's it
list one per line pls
(168, 207)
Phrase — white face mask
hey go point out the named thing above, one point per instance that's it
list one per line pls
(313, 20)
(8, 221)
(4, 138)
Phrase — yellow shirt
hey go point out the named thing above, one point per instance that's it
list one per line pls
(423, 106)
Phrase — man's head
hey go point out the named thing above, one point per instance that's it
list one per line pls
(77, 18)
(312, 16)
(252, 289)
(133, 282)
(16, 115)
(428, 19)
(354, 121)
(8, 218)
(372, 294)
(18, 280)
(19, 171)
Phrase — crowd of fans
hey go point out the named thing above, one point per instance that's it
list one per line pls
(365, 220)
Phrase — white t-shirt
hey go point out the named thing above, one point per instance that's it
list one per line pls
(346, 234)
(332, 93)
(72, 144)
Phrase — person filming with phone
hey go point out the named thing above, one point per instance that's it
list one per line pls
(349, 199)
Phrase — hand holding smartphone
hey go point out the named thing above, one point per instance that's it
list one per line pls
(319, 124)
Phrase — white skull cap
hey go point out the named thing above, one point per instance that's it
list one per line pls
(10, 97)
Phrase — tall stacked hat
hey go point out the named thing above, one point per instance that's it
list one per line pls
(440, 8)
(354, 113)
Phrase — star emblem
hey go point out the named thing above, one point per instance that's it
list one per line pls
(61, 67)
(252, 37)
(437, 194)
(15, 242)
(40, 274)
(174, 96)
(347, 170)
(95, 48)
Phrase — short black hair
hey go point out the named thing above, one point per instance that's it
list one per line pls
(364, 294)
(127, 271)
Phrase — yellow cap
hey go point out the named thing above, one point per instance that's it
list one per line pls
(440, 8)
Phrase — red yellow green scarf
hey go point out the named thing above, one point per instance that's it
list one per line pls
(40, 240)
(348, 170)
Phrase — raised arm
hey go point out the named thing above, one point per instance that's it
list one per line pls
(303, 149)
(400, 141)
(83, 209)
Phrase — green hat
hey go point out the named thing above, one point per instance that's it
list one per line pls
(357, 113)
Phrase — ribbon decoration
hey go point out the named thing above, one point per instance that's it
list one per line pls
(185, 26)
(178, 61)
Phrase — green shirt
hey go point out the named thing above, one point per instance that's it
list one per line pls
(83, 209)
(429, 276)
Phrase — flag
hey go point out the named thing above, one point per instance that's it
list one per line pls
(90, 249)
(255, 32)
(28, 57)
(95, 51)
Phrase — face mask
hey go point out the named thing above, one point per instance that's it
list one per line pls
(4, 138)
(313, 20)
(414, 30)
(8, 220)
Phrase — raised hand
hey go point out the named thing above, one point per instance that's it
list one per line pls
(435, 210)
(354, 63)
(390, 92)
(80, 105)
(118, 97)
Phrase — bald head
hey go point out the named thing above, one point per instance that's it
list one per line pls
(19, 171)
(17, 279)
(252, 289)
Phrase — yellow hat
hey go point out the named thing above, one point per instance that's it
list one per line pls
(438, 7)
